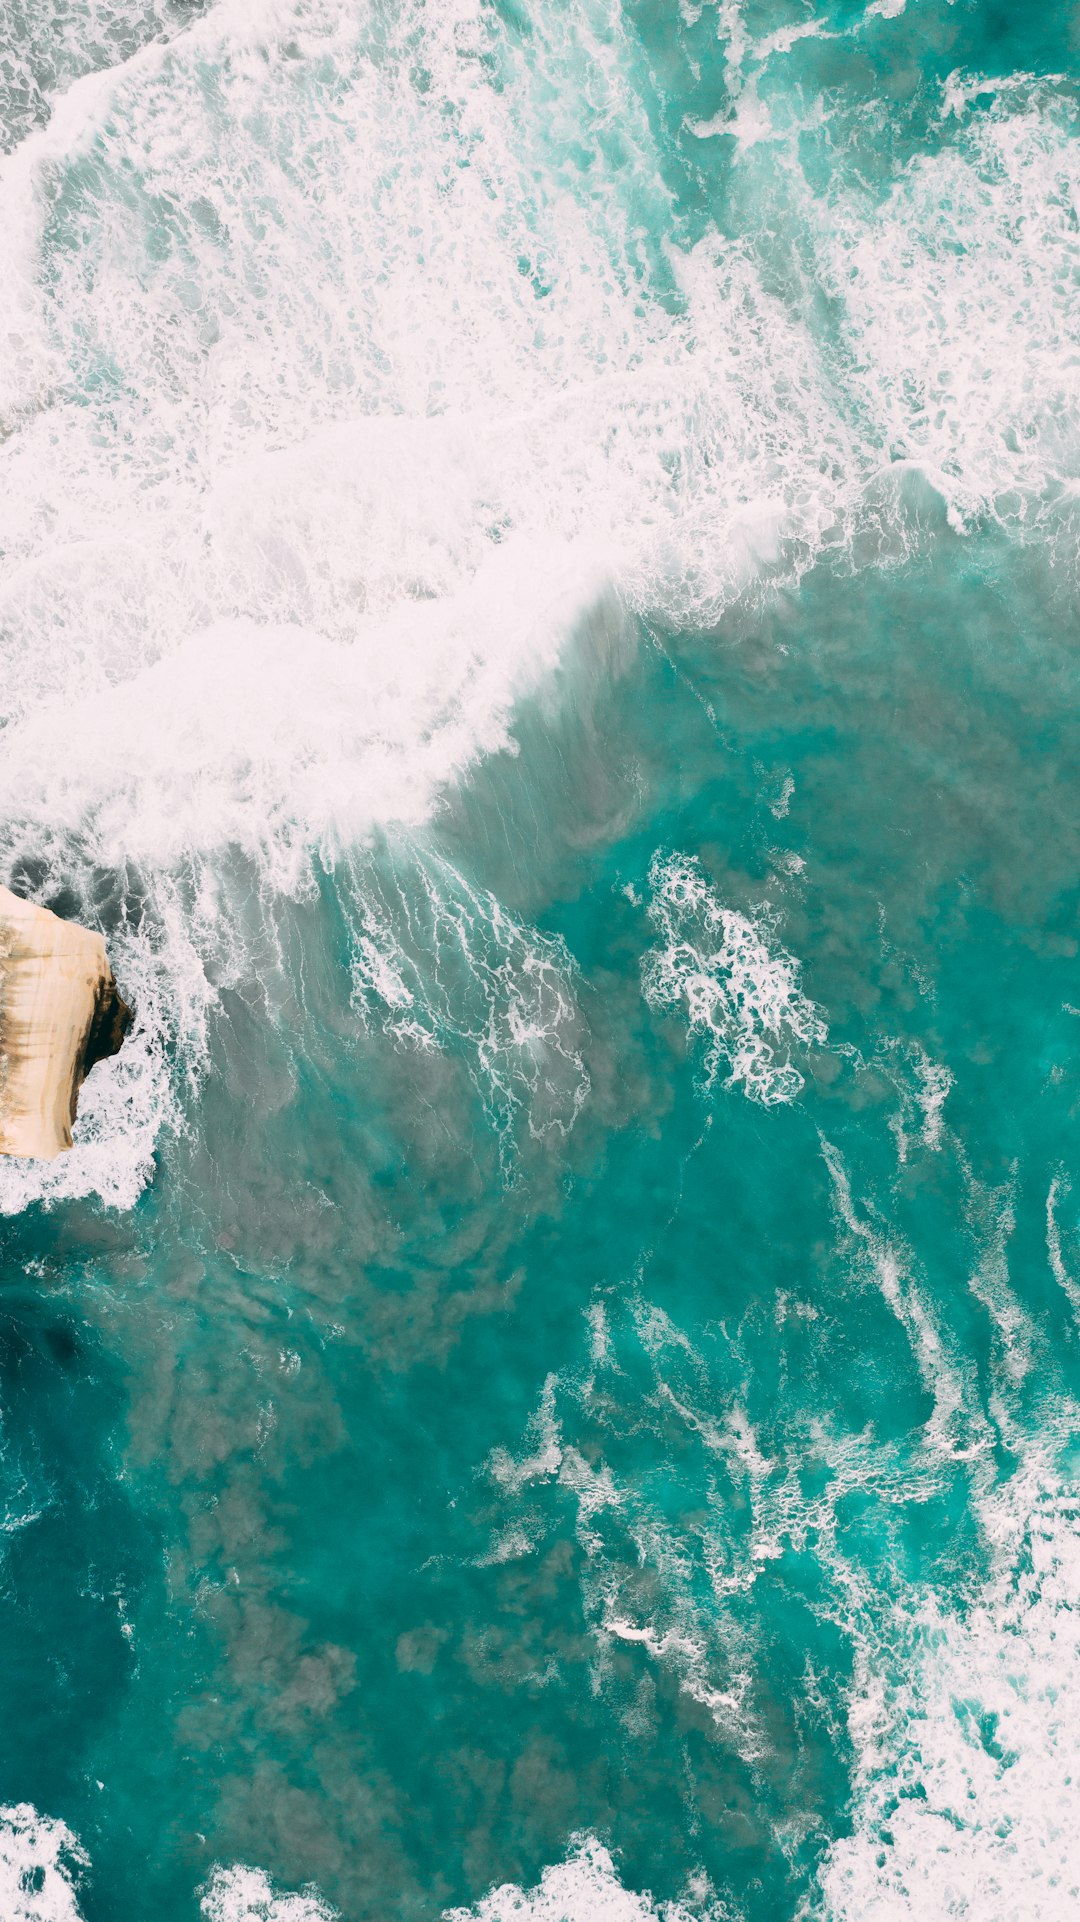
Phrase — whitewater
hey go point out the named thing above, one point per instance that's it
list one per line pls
(539, 549)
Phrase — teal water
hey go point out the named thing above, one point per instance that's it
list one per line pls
(539, 616)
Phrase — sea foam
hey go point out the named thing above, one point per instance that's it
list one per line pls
(241, 1894)
(739, 988)
(967, 1745)
(40, 1863)
(284, 467)
(437, 963)
(586, 1887)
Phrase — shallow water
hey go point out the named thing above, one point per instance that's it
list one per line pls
(539, 616)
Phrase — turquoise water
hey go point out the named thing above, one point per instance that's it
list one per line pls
(539, 616)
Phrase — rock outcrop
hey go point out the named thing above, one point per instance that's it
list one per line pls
(60, 1012)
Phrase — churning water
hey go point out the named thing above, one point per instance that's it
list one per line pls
(538, 614)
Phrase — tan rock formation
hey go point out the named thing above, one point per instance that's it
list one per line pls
(59, 1013)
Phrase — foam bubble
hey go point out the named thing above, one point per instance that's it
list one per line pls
(741, 994)
(40, 1863)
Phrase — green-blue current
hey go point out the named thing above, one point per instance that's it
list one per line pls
(540, 619)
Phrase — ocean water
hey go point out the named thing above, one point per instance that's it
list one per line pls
(538, 613)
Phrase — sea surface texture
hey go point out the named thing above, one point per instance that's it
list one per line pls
(538, 616)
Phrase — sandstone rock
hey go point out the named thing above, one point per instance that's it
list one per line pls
(60, 1012)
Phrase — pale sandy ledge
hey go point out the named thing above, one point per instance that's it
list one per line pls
(60, 1012)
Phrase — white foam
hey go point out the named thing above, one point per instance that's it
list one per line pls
(960, 1712)
(544, 1456)
(569, 399)
(935, 1080)
(924, 1086)
(437, 963)
(40, 1863)
(44, 48)
(740, 990)
(277, 740)
(1060, 1186)
(780, 807)
(241, 1894)
(990, 1212)
(320, 447)
(680, 1619)
(586, 1887)
(957, 1426)
(968, 1748)
(961, 303)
